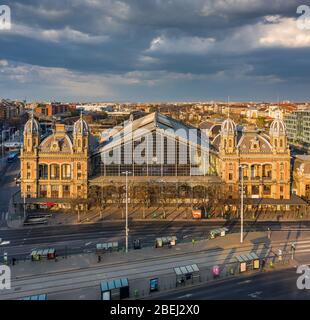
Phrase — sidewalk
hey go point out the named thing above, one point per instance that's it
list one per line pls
(113, 213)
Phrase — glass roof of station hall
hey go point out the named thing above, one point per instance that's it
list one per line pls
(154, 121)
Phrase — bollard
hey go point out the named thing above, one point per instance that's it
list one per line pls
(136, 293)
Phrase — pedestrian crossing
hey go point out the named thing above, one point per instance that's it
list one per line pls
(301, 246)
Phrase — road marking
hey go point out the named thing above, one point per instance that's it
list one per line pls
(255, 294)
(244, 282)
(185, 296)
(3, 243)
(87, 244)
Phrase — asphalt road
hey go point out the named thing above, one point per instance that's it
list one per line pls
(8, 188)
(83, 238)
(262, 286)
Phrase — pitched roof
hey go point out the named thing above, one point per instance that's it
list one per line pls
(149, 123)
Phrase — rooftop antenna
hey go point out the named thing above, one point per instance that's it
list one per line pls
(228, 102)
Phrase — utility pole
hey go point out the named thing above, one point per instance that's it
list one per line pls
(126, 211)
(24, 206)
(241, 206)
(2, 143)
(126, 226)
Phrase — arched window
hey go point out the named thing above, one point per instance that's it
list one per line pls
(276, 143)
(43, 171)
(55, 172)
(230, 143)
(66, 171)
(281, 143)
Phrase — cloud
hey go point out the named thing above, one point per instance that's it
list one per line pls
(67, 34)
(4, 63)
(154, 49)
(187, 45)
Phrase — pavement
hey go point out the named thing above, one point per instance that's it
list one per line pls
(156, 213)
(79, 276)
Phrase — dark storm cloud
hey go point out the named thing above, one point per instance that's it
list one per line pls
(202, 41)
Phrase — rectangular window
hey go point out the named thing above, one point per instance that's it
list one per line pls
(66, 171)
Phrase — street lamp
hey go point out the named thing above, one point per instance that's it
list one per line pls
(241, 204)
(24, 206)
(2, 142)
(126, 227)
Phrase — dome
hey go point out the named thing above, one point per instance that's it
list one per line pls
(32, 126)
(228, 127)
(81, 127)
(277, 127)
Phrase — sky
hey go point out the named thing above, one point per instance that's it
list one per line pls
(155, 50)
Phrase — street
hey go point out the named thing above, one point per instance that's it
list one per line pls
(74, 237)
(7, 188)
(280, 284)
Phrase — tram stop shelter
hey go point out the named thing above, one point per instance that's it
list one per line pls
(249, 261)
(165, 241)
(114, 289)
(187, 274)
(106, 247)
(221, 232)
(40, 254)
(36, 297)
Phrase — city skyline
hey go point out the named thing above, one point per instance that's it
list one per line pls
(178, 51)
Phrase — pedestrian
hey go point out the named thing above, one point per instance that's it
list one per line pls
(99, 258)
(269, 233)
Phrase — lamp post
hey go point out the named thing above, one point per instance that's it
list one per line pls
(2, 142)
(24, 206)
(126, 226)
(241, 204)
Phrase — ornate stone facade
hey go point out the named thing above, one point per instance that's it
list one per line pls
(263, 159)
(56, 166)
